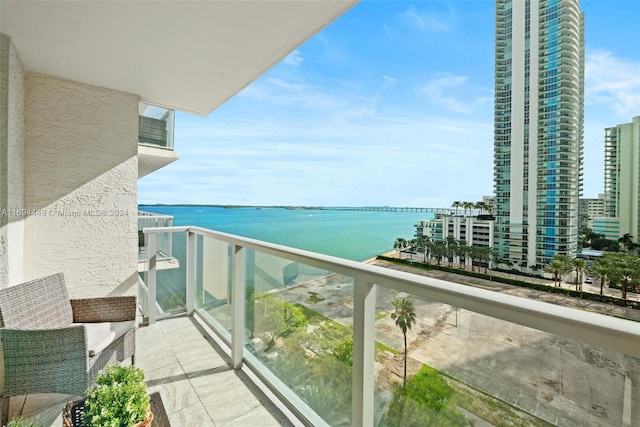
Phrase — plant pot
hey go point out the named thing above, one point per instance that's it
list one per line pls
(147, 420)
(72, 415)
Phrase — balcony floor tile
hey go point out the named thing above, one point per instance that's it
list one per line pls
(192, 375)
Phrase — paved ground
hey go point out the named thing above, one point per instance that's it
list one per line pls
(552, 298)
(563, 382)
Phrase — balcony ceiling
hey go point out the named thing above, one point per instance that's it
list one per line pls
(187, 55)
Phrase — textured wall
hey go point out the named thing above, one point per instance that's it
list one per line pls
(81, 175)
(11, 163)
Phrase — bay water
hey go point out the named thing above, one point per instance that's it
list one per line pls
(351, 234)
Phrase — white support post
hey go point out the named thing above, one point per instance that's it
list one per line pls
(191, 273)
(364, 336)
(238, 265)
(151, 277)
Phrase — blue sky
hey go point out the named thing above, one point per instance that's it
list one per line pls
(392, 104)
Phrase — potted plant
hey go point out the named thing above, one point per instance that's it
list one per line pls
(119, 398)
(20, 422)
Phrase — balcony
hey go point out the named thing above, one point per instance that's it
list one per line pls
(224, 333)
(189, 372)
(155, 138)
(164, 252)
(504, 351)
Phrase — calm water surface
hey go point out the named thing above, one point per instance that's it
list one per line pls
(355, 235)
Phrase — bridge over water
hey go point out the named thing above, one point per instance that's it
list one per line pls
(391, 209)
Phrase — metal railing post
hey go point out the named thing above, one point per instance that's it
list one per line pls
(191, 273)
(364, 336)
(237, 305)
(152, 239)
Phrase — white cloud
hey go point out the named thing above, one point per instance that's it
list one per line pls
(427, 21)
(402, 158)
(388, 82)
(454, 93)
(613, 83)
(331, 51)
(294, 58)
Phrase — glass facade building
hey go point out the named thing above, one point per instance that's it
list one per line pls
(621, 181)
(538, 129)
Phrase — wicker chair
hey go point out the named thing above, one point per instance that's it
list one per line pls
(52, 344)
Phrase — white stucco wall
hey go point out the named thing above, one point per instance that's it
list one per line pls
(81, 175)
(11, 163)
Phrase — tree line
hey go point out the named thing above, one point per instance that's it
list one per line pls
(447, 249)
(591, 239)
(613, 268)
(617, 269)
(470, 206)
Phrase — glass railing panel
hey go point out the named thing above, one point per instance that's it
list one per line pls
(171, 273)
(298, 329)
(155, 126)
(463, 367)
(213, 282)
(143, 293)
(164, 243)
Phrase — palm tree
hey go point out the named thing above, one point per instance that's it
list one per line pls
(485, 256)
(558, 267)
(475, 253)
(580, 266)
(424, 242)
(600, 271)
(412, 245)
(467, 205)
(481, 206)
(439, 249)
(400, 244)
(534, 268)
(613, 267)
(405, 317)
(489, 208)
(588, 236)
(623, 268)
(567, 263)
(452, 248)
(456, 205)
(462, 250)
(627, 242)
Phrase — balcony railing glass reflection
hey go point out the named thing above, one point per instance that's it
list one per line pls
(155, 126)
(164, 241)
(321, 335)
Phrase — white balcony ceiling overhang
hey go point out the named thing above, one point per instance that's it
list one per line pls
(187, 55)
(151, 159)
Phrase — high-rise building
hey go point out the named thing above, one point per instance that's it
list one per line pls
(590, 209)
(621, 182)
(538, 130)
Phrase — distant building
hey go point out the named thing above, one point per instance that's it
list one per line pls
(590, 209)
(621, 182)
(474, 231)
(538, 128)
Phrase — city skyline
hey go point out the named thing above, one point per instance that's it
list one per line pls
(392, 104)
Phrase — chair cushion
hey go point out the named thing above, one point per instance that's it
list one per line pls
(101, 335)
